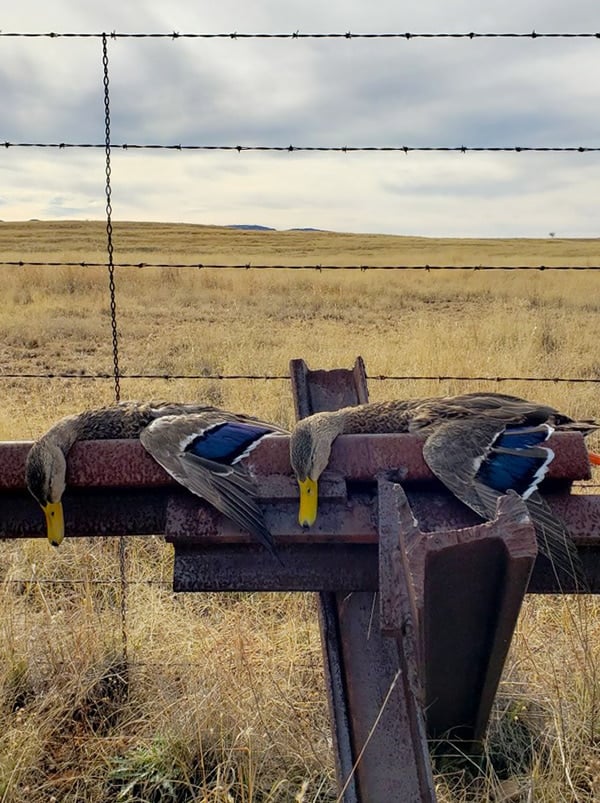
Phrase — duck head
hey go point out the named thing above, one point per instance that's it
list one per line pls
(310, 450)
(45, 473)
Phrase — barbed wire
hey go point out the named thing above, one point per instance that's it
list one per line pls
(21, 263)
(21, 581)
(235, 35)
(285, 377)
(406, 149)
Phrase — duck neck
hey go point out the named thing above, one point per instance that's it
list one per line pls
(64, 433)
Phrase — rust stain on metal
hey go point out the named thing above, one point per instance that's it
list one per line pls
(125, 463)
(100, 463)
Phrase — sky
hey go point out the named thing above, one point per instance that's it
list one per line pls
(306, 92)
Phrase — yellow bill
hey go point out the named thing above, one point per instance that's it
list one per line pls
(307, 513)
(55, 522)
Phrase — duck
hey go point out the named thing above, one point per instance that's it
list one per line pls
(203, 448)
(479, 445)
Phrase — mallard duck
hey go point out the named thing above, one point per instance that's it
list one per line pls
(479, 445)
(200, 447)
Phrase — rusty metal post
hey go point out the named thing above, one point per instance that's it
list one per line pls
(381, 749)
(462, 590)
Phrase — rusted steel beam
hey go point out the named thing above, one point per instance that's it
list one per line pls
(399, 616)
(343, 519)
(469, 584)
(126, 464)
(380, 753)
(318, 391)
(213, 555)
(315, 567)
(462, 591)
(325, 393)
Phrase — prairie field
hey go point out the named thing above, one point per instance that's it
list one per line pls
(225, 698)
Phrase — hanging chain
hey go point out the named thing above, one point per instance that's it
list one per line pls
(109, 242)
(115, 342)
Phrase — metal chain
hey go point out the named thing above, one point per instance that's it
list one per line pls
(115, 341)
(109, 242)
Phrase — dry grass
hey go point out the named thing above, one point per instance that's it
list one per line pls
(226, 698)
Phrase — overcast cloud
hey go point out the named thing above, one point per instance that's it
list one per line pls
(307, 92)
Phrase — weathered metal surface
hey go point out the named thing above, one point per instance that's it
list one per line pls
(327, 393)
(463, 590)
(399, 617)
(126, 464)
(317, 567)
(356, 517)
(341, 521)
(371, 701)
(102, 463)
(390, 751)
(233, 567)
(317, 391)
(87, 513)
(131, 511)
(397, 528)
(469, 586)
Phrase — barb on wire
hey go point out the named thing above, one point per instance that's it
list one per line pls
(406, 149)
(346, 35)
(21, 263)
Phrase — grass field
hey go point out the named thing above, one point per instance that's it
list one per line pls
(226, 697)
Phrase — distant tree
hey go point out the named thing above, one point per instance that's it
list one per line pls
(552, 234)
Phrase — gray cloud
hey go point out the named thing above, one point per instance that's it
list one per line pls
(359, 92)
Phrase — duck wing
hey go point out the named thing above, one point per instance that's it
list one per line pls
(480, 459)
(203, 452)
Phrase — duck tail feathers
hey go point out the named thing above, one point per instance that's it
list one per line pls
(555, 543)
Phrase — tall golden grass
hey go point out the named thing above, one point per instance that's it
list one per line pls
(226, 699)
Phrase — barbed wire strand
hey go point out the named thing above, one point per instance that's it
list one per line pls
(46, 375)
(346, 35)
(21, 581)
(21, 263)
(406, 149)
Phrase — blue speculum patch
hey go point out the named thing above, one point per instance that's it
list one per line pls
(516, 461)
(225, 443)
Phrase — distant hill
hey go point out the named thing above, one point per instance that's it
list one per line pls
(250, 227)
(256, 227)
